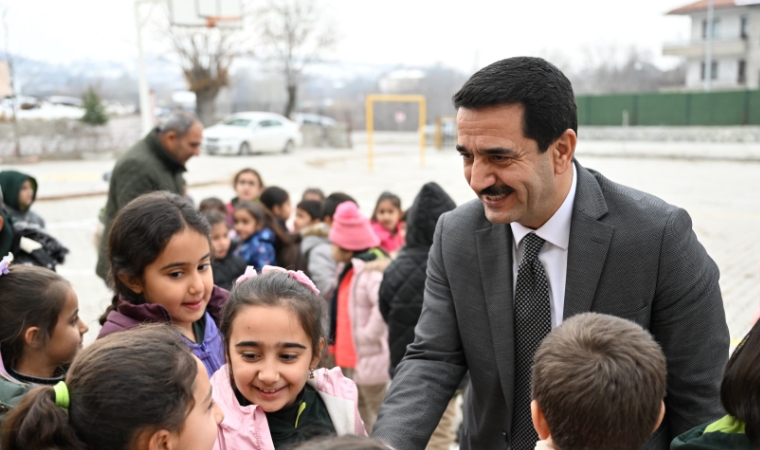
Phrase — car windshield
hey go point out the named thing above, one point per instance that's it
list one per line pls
(237, 122)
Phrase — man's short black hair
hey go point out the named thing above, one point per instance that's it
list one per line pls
(542, 89)
(332, 201)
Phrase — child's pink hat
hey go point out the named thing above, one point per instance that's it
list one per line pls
(350, 230)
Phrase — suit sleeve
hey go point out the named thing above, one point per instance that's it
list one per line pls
(688, 321)
(428, 376)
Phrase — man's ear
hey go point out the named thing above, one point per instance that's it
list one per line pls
(661, 418)
(539, 421)
(32, 337)
(133, 283)
(563, 151)
(276, 210)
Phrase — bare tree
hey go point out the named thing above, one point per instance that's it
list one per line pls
(205, 56)
(294, 35)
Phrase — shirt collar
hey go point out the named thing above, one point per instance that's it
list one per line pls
(557, 229)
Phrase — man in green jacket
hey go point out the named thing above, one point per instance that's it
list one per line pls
(155, 163)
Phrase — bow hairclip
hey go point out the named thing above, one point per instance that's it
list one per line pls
(299, 276)
(5, 263)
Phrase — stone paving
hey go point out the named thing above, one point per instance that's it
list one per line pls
(723, 198)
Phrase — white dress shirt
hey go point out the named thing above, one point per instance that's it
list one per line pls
(553, 255)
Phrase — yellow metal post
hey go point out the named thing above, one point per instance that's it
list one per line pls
(420, 99)
(370, 129)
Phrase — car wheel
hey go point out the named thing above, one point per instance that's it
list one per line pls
(289, 146)
(245, 149)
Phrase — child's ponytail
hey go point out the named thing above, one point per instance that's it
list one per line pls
(37, 422)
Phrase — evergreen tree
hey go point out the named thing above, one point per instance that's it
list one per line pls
(94, 112)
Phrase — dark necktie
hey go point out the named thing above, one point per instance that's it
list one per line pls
(532, 323)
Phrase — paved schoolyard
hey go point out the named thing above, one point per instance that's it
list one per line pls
(722, 196)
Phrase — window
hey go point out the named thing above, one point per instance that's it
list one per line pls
(237, 122)
(741, 77)
(713, 71)
(270, 123)
(745, 27)
(715, 29)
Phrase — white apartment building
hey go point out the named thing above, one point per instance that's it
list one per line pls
(735, 44)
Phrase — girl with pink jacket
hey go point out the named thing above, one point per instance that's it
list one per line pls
(272, 394)
(360, 330)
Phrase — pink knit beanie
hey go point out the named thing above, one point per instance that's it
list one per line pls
(350, 230)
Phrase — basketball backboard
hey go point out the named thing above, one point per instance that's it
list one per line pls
(206, 13)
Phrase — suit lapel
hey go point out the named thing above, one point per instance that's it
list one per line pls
(495, 255)
(589, 243)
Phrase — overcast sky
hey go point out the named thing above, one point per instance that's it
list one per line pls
(461, 34)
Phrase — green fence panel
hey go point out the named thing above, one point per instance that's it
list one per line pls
(583, 109)
(608, 109)
(753, 108)
(671, 109)
(717, 108)
(663, 109)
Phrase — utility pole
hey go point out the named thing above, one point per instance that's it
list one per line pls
(708, 44)
(14, 94)
(146, 114)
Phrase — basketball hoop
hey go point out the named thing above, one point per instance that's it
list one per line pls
(206, 13)
(231, 20)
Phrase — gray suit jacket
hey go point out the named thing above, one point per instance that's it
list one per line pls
(630, 255)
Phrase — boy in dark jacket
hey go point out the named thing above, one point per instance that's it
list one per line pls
(20, 191)
(403, 287)
(227, 266)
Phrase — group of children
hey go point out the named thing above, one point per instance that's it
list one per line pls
(283, 358)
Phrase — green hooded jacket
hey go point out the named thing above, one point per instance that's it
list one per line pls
(726, 433)
(11, 182)
(144, 168)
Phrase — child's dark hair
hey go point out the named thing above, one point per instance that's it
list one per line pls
(314, 191)
(311, 207)
(140, 232)
(31, 297)
(212, 204)
(275, 289)
(214, 218)
(348, 442)
(119, 386)
(264, 217)
(254, 172)
(387, 196)
(740, 389)
(274, 196)
(332, 201)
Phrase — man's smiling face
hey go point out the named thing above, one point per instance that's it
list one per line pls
(514, 181)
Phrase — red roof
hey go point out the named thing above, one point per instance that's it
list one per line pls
(701, 5)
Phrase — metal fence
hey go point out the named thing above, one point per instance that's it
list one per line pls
(670, 109)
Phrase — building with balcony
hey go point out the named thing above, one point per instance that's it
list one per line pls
(735, 44)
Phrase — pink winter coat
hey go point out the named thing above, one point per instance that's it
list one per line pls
(369, 329)
(390, 242)
(246, 427)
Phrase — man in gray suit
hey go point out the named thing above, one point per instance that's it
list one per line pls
(547, 240)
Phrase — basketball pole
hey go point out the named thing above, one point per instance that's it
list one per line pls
(146, 115)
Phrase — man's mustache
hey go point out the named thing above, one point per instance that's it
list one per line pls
(495, 190)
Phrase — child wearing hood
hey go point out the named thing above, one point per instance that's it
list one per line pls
(20, 191)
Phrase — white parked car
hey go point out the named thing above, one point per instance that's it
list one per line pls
(252, 132)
